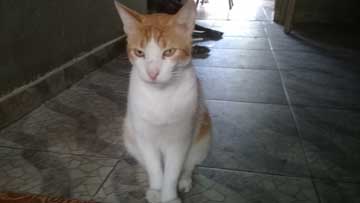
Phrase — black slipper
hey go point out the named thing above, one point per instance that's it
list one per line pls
(200, 51)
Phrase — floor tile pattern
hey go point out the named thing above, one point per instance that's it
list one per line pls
(285, 117)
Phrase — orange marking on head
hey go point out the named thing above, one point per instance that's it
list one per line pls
(168, 31)
(161, 28)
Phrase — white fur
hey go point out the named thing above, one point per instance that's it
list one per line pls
(159, 126)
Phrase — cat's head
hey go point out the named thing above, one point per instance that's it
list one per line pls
(159, 45)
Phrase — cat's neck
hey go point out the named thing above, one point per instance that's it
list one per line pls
(172, 103)
(183, 80)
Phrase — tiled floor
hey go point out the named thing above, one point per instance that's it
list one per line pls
(286, 124)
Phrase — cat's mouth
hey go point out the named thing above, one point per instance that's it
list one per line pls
(152, 82)
(157, 83)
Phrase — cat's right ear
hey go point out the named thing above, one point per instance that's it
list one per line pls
(186, 16)
(130, 18)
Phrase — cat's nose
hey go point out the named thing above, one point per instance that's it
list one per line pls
(153, 74)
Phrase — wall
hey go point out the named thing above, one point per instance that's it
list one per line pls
(320, 11)
(37, 36)
(327, 11)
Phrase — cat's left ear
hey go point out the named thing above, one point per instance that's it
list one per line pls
(130, 18)
(186, 16)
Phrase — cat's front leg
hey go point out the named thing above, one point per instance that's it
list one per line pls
(152, 162)
(174, 157)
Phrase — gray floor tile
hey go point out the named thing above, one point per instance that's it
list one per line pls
(240, 12)
(243, 12)
(128, 184)
(241, 187)
(321, 88)
(234, 31)
(51, 173)
(238, 59)
(274, 29)
(290, 43)
(279, 40)
(317, 61)
(255, 137)
(86, 119)
(303, 60)
(238, 43)
(240, 24)
(205, 23)
(331, 141)
(269, 12)
(333, 192)
(242, 85)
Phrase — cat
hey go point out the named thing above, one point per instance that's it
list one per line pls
(167, 127)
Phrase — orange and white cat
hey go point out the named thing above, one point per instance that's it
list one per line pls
(167, 125)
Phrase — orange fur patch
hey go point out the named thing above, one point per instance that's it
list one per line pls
(204, 128)
(165, 31)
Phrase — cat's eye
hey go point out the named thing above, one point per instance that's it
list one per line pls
(139, 53)
(169, 52)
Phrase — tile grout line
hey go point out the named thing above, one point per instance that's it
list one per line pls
(282, 104)
(296, 125)
(271, 174)
(203, 18)
(102, 156)
(245, 102)
(317, 49)
(239, 48)
(254, 172)
(235, 37)
(200, 166)
(271, 48)
(257, 68)
(265, 14)
(106, 178)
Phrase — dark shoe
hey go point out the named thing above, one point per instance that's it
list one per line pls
(200, 51)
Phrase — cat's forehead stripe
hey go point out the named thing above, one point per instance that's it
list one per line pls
(155, 33)
(163, 30)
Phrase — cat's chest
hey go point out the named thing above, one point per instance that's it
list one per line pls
(163, 107)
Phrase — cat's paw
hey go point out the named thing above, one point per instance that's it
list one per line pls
(185, 184)
(153, 196)
(177, 200)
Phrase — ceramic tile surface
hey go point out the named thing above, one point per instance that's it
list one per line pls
(52, 174)
(331, 141)
(128, 185)
(241, 85)
(249, 137)
(285, 123)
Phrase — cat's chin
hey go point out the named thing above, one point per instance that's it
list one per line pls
(157, 83)
(152, 82)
